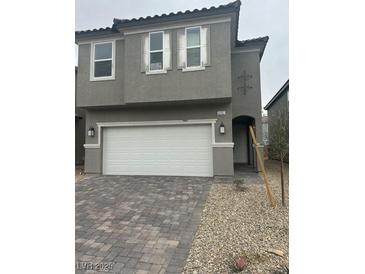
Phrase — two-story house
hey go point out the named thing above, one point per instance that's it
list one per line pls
(172, 94)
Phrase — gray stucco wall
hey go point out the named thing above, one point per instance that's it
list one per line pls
(80, 122)
(79, 137)
(133, 86)
(92, 160)
(213, 82)
(248, 104)
(126, 98)
(99, 93)
(223, 161)
(222, 157)
(281, 104)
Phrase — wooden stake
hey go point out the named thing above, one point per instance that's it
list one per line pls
(261, 162)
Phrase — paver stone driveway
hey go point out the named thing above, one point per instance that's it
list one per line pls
(137, 224)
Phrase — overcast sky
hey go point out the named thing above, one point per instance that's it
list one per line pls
(257, 18)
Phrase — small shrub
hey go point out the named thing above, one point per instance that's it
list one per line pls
(240, 185)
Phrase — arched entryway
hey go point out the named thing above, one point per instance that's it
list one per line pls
(243, 153)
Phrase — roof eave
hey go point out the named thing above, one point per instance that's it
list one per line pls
(166, 18)
(96, 33)
(256, 43)
(283, 89)
(232, 9)
(262, 51)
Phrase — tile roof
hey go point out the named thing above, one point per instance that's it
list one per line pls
(233, 6)
(94, 31)
(254, 43)
(118, 23)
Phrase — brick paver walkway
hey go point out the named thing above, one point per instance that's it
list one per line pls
(137, 224)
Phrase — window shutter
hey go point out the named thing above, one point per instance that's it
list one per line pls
(205, 43)
(181, 49)
(144, 52)
(167, 51)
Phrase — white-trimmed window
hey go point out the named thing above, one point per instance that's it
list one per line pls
(156, 51)
(193, 47)
(102, 61)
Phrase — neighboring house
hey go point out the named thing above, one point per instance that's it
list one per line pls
(279, 103)
(265, 130)
(170, 95)
(79, 131)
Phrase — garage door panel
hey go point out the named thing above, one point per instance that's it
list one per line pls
(158, 150)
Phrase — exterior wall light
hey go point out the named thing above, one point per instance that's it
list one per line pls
(222, 130)
(91, 132)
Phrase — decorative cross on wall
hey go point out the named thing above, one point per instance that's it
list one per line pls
(243, 82)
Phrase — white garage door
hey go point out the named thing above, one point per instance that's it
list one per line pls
(158, 150)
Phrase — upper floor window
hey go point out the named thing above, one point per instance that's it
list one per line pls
(102, 65)
(193, 47)
(156, 51)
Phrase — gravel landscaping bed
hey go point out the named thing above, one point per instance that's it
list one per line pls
(241, 223)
